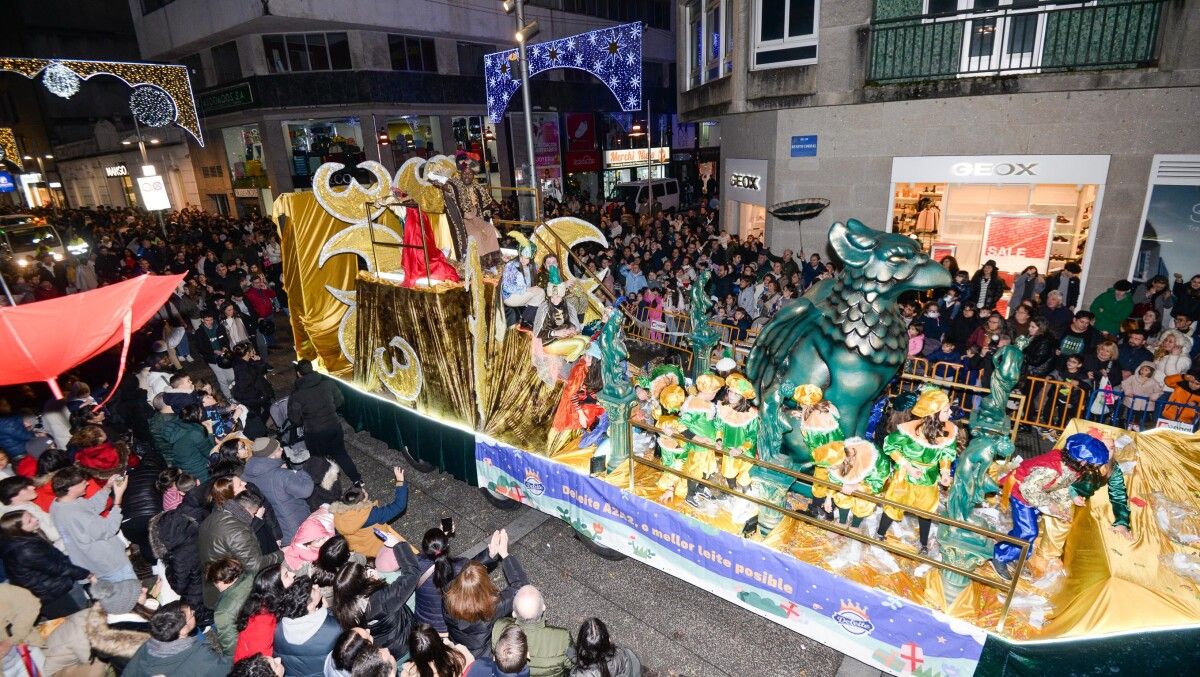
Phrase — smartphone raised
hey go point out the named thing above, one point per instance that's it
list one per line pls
(380, 533)
(448, 526)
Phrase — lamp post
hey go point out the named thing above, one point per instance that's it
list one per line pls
(638, 131)
(525, 32)
(141, 144)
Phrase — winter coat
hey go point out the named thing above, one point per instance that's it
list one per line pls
(1187, 300)
(314, 403)
(1024, 289)
(250, 386)
(326, 476)
(302, 643)
(209, 346)
(257, 637)
(197, 660)
(34, 564)
(623, 663)
(228, 531)
(1110, 311)
(548, 646)
(285, 489)
(1072, 296)
(1039, 355)
(1137, 386)
(228, 606)
(189, 446)
(428, 607)
(173, 537)
(387, 616)
(92, 540)
(142, 499)
(1181, 395)
(14, 435)
(477, 635)
(356, 522)
(995, 289)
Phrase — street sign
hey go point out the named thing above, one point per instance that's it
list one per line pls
(804, 146)
(7, 185)
(154, 193)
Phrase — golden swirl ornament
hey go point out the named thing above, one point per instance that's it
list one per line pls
(404, 380)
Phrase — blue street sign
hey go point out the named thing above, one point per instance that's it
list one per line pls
(6, 182)
(804, 146)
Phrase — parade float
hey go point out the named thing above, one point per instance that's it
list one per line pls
(429, 362)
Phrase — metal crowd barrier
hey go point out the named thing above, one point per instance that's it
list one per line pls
(1139, 413)
(1008, 587)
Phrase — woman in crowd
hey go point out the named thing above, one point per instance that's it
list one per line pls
(473, 602)
(258, 616)
(1040, 354)
(32, 562)
(986, 287)
(251, 388)
(595, 655)
(438, 570)
(19, 493)
(362, 600)
(173, 535)
(1027, 287)
(1171, 355)
(432, 655)
(356, 517)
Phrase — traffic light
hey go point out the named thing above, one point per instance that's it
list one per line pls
(383, 139)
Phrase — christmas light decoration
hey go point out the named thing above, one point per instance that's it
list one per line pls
(8, 147)
(60, 80)
(152, 106)
(614, 55)
(170, 80)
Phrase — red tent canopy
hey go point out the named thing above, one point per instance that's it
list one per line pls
(39, 341)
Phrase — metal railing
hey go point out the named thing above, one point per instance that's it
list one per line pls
(1023, 37)
(1008, 587)
(1137, 412)
(962, 396)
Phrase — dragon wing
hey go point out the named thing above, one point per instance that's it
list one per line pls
(775, 342)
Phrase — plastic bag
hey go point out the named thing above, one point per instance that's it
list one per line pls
(1034, 605)
(1180, 522)
(1184, 564)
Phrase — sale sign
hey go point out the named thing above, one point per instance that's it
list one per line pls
(1016, 241)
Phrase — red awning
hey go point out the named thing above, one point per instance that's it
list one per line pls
(39, 341)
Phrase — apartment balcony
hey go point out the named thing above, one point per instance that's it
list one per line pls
(1017, 38)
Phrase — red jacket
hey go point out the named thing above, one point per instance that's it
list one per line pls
(45, 495)
(260, 301)
(1051, 459)
(258, 637)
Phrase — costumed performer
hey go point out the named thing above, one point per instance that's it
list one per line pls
(819, 425)
(699, 415)
(1052, 485)
(922, 450)
(737, 424)
(420, 246)
(556, 335)
(888, 413)
(474, 203)
(862, 469)
(643, 412)
(521, 296)
(671, 447)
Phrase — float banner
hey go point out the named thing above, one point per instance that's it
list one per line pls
(872, 626)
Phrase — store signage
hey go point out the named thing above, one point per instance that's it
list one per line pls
(993, 169)
(581, 132)
(747, 181)
(7, 185)
(584, 161)
(154, 193)
(804, 146)
(245, 192)
(226, 98)
(1073, 169)
(1017, 241)
(636, 157)
(113, 171)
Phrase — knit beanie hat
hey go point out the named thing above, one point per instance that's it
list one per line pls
(119, 597)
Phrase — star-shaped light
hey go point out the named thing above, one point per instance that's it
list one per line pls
(553, 55)
(614, 47)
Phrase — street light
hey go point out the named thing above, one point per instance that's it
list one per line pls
(141, 143)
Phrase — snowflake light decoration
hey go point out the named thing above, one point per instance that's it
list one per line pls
(152, 106)
(613, 55)
(60, 80)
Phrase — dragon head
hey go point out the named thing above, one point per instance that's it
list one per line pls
(893, 262)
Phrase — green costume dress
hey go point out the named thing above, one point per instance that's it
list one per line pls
(1117, 494)
(737, 434)
(815, 438)
(921, 492)
(700, 418)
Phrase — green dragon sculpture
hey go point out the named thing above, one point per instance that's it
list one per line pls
(845, 334)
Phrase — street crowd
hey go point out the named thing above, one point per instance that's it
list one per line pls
(191, 521)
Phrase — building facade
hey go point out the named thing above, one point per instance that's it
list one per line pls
(283, 86)
(1026, 132)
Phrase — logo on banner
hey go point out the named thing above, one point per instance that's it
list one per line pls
(747, 181)
(993, 169)
(853, 618)
(533, 482)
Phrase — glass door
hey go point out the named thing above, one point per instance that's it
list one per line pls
(1002, 35)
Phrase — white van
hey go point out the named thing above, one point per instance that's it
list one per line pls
(23, 237)
(632, 193)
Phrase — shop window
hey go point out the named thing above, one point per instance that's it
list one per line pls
(414, 136)
(296, 52)
(226, 63)
(244, 156)
(475, 137)
(470, 57)
(412, 54)
(220, 203)
(785, 32)
(314, 142)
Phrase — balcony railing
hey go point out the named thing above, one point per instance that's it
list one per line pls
(1024, 37)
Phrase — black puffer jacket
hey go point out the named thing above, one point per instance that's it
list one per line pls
(314, 403)
(387, 617)
(173, 536)
(142, 498)
(1039, 355)
(250, 386)
(34, 564)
